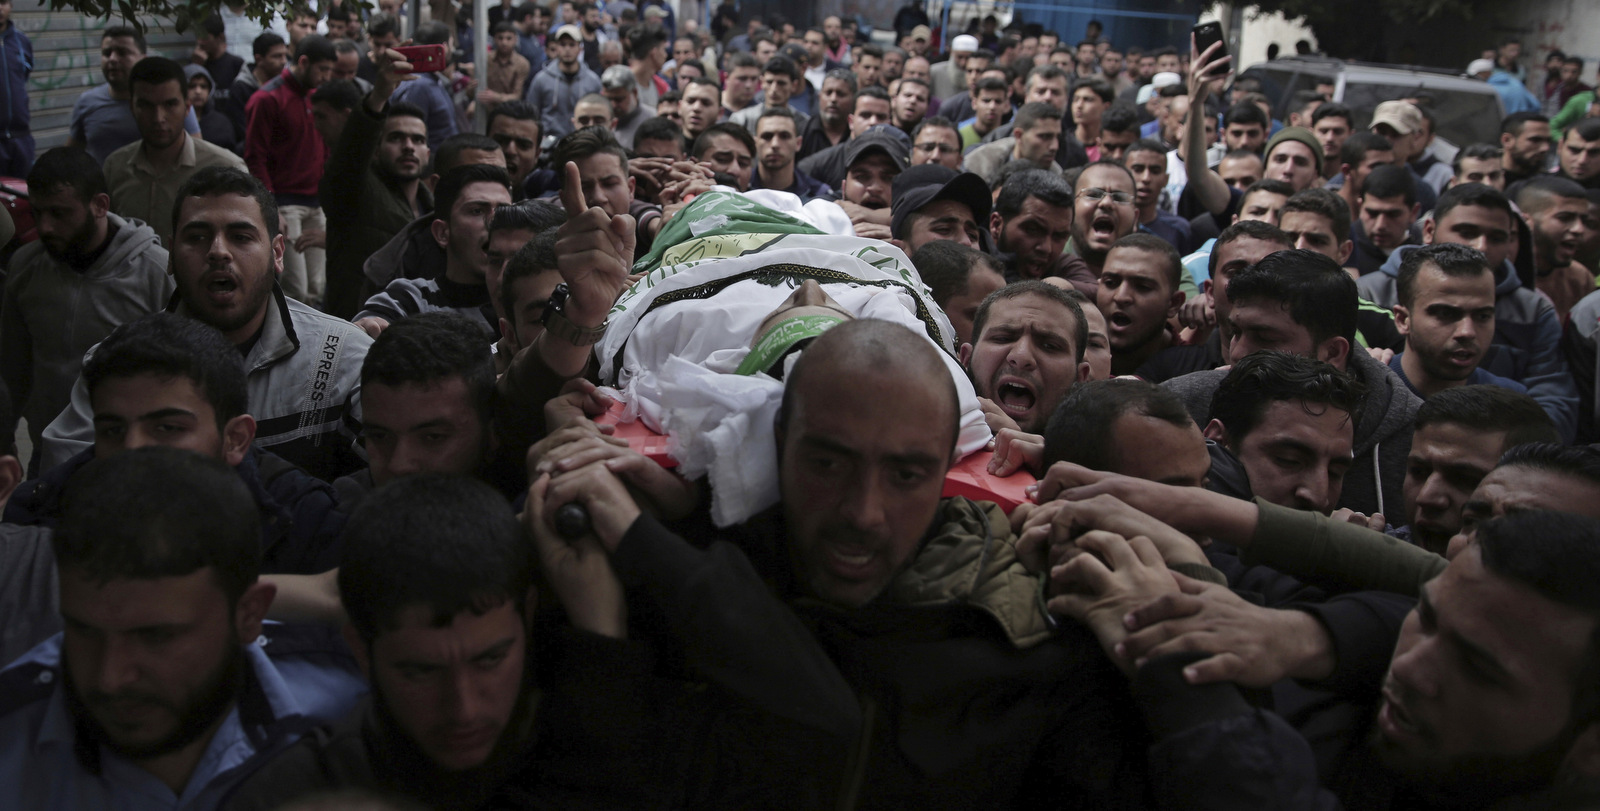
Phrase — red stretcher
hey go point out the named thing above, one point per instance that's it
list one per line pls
(969, 478)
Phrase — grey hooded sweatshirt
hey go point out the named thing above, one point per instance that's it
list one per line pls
(555, 93)
(53, 314)
(1383, 431)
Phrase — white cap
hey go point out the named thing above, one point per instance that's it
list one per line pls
(1478, 66)
(966, 43)
(1157, 82)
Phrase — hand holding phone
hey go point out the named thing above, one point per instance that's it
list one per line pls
(1208, 34)
(425, 58)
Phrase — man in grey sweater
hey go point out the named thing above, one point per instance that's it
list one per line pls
(89, 272)
(1302, 302)
(565, 79)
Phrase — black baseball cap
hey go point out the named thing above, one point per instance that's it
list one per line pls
(883, 142)
(920, 185)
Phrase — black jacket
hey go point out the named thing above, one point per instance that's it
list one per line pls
(720, 698)
(300, 516)
(1214, 751)
(970, 696)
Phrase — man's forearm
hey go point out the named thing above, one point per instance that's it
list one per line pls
(1209, 187)
(527, 385)
(1336, 555)
(1313, 658)
(341, 185)
(562, 357)
(1198, 511)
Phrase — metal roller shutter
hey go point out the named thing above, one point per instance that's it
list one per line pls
(66, 55)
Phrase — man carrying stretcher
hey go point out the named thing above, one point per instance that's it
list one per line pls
(696, 349)
(972, 694)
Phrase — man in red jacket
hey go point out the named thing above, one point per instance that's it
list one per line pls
(283, 149)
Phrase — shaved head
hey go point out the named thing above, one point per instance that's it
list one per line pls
(860, 473)
(1539, 193)
(877, 350)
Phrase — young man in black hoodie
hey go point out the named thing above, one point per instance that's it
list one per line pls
(170, 380)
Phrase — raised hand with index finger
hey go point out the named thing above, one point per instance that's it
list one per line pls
(594, 252)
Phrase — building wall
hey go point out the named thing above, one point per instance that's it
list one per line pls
(66, 61)
(1572, 26)
(1258, 32)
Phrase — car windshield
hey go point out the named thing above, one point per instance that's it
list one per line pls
(1463, 117)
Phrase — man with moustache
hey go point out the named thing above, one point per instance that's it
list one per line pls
(1446, 313)
(1103, 212)
(166, 688)
(1528, 343)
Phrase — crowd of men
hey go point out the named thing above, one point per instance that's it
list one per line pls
(308, 367)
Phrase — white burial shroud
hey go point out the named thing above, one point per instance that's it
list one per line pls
(676, 337)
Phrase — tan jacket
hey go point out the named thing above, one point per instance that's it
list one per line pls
(139, 193)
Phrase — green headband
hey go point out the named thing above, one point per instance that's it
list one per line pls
(782, 338)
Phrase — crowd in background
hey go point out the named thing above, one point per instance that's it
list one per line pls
(329, 497)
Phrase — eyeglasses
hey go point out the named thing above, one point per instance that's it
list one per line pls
(1120, 198)
(934, 146)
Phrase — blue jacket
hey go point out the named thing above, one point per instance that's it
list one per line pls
(1479, 377)
(429, 93)
(300, 517)
(16, 65)
(532, 50)
(806, 187)
(296, 677)
(1513, 95)
(1527, 339)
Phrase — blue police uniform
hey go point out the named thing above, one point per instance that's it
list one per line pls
(298, 677)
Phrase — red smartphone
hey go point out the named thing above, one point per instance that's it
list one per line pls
(1204, 35)
(425, 58)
